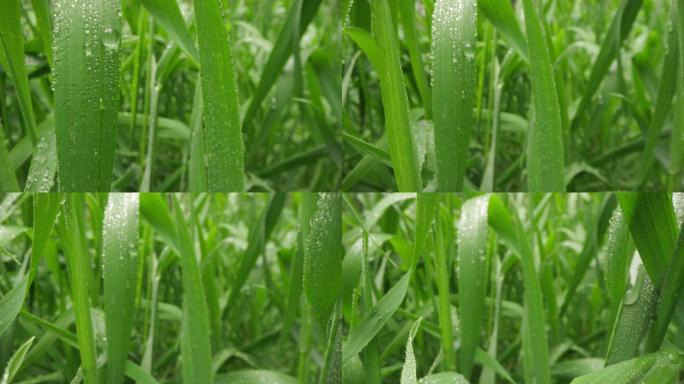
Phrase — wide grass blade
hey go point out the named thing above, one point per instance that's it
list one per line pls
(119, 254)
(195, 330)
(323, 256)
(394, 99)
(79, 267)
(222, 130)
(660, 367)
(11, 304)
(545, 156)
(472, 277)
(86, 82)
(454, 39)
(615, 256)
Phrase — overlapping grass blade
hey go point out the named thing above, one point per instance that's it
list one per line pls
(394, 99)
(454, 39)
(12, 58)
(168, 15)
(120, 259)
(79, 265)
(545, 156)
(195, 330)
(677, 146)
(86, 82)
(444, 378)
(502, 16)
(323, 256)
(407, 13)
(472, 277)
(11, 304)
(45, 208)
(222, 130)
(156, 212)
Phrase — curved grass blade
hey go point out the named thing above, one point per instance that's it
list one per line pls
(156, 212)
(168, 15)
(119, 254)
(454, 38)
(472, 276)
(375, 319)
(408, 371)
(502, 16)
(15, 361)
(11, 304)
(660, 367)
(323, 256)
(195, 329)
(12, 42)
(545, 156)
(86, 79)
(222, 130)
(395, 100)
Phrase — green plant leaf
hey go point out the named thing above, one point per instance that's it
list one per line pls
(11, 304)
(15, 361)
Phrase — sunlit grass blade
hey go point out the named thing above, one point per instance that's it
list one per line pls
(545, 156)
(11, 303)
(168, 15)
(454, 39)
(222, 130)
(12, 41)
(323, 256)
(79, 266)
(394, 99)
(86, 82)
(472, 277)
(119, 253)
(195, 330)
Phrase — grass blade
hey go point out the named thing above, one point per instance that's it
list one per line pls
(660, 367)
(256, 376)
(45, 208)
(394, 99)
(222, 130)
(195, 331)
(502, 16)
(615, 255)
(11, 304)
(14, 363)
(86, 78)
(472, 277)
(545, 158)
(168, 15)
(8, 180)
(677, 146)
(408, 371)
(41, 176)
(119, 253)
(454, 39)
(407, 13)
(323, 256)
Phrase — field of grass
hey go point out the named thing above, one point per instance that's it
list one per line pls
(332, 288)
(169, 95)
(540, 96)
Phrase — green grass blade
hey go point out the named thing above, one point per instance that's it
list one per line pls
(156, 212)
(443, 281)
(545, 156)
(119, 253)
(15, 361)
(256, 376)
(79, 266)
(677, 146)
(375, 319)
(12, 41)
(168, 15)
(44, 24)
(394, 99)
(444, 378)
(669, 295)
(408, 371)
(41, 176)
(365, 42)
(195, 330)
(86, 79)
(45, 208)
(222, 130)
(197, 171)
(660, 367)
(8, 180)
(323, 256)
(11, 304)
(472, 277)
(425, 216)
(615, 255)
(407, 13)
(502, 16)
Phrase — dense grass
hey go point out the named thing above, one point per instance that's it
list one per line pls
(170, 95)
(537, 96)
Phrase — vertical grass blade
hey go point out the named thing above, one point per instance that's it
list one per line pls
(79, 267)
(444, 276)
(408, 371)
(472, 277)
(86, 79)
(222, 131)
(454, 38)
(195, 330)
(12, 41)
(119, 253)
(677, 145)
(545, 157)
(425, 215)
(15, 361)
(11, 304)
(407, 12)
(615, 256)
(323, 256)
(395, 101)
(45, 208)
(8, 180)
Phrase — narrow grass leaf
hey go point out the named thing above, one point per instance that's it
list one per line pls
(41, 176)
(323, 256)
(408, 371)
(168, 15)
(86, 80)
(425, 216)
(45, 208)
(156, 212)
(15, 361)
(11, 304)
(502, 16)
(195, 330)
(8, 180)
(222, 130)
(677, 146)
(545, 156)
(472, 277)
(615, 256)
(395, 100)
(454, 39)
(375, 319)
(119, 254)
(407, 14)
